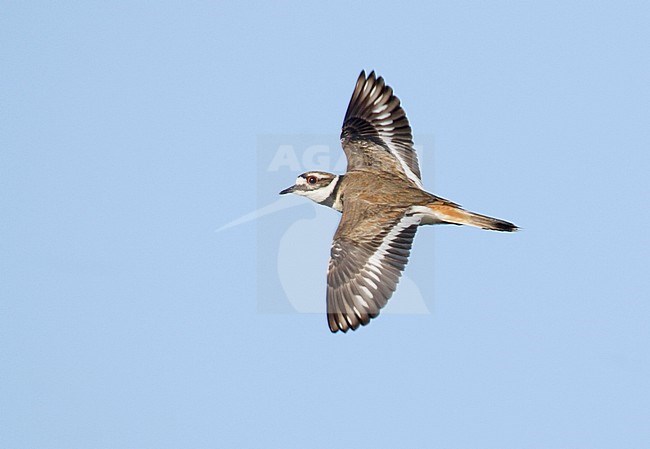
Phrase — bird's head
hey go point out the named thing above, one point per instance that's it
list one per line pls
(318, 186)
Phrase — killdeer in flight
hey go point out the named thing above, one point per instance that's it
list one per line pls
(383, 203)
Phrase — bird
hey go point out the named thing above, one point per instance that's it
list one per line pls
(382, 201)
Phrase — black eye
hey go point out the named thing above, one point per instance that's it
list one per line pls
(311, 179)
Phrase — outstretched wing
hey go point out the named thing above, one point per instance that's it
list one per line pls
(376, 132)
(367, 259)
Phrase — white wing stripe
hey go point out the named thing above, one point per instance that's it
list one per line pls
(362, 301)
(373, 274)
(408, 171)
(405, 222)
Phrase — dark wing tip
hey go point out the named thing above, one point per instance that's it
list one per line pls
(348, 322)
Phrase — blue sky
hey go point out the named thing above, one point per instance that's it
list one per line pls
(130, 132)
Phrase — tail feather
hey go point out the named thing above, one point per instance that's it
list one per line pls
(456, 215)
